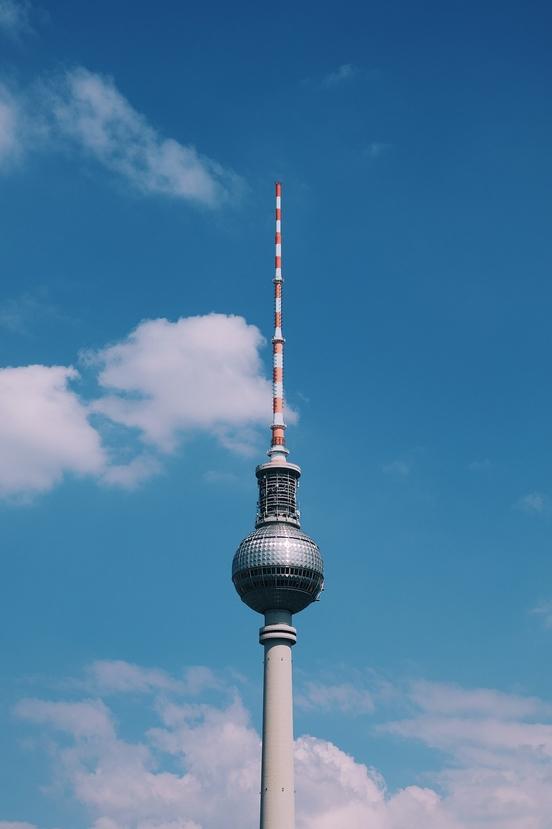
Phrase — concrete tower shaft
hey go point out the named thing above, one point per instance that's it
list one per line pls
(277, 772)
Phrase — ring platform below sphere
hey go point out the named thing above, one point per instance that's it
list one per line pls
(278, 567)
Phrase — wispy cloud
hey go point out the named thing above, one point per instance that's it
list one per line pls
(218, 476)
(14, 17)
(344, 697)
(344, 73)
(10, 824)
(376, 149)
(399, 468)
(480, 465)
(108, 677)
(453, 700)
(533, 502)
(89, 111)
(9, 128)
(84, 113)
(83, 719)
(20, 314)
(544, 611)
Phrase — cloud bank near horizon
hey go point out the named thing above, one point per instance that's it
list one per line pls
(164, 382)
(197, 767)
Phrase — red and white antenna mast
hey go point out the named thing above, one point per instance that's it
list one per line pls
(278, 451)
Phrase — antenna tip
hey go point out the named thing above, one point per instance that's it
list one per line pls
(278, 188)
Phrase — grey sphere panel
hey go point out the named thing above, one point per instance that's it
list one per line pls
(278, 567)
(277, 544)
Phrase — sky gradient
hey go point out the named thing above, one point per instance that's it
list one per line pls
(139, 145)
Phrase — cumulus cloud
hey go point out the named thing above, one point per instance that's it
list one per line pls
(198, 766)
(88, 110)
(199, 373)
(213, 754)
(44, 430)
(164, 383)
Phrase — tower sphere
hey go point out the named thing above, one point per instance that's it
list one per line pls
(278, 567)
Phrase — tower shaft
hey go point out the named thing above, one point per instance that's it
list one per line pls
(277, 776)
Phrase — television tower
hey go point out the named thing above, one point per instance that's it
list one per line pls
(277, 570)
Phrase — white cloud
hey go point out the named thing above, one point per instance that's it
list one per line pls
(134, 472)
(14, 17)
(199, 373)
(217, 754)
(82, 720)
(199, 765)
(89, 110)
(344, 697)
(117, 676)
(533, 502)
(164, 383)
(10, 824)
(442, 698)
(44, 430)
(9, 127)
(499, 769)
(106, 677)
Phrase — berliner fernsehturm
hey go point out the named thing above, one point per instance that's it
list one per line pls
(277, 571)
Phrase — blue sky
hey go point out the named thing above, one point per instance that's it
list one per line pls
(138, 149)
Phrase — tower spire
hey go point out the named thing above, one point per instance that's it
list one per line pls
(277, 452)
